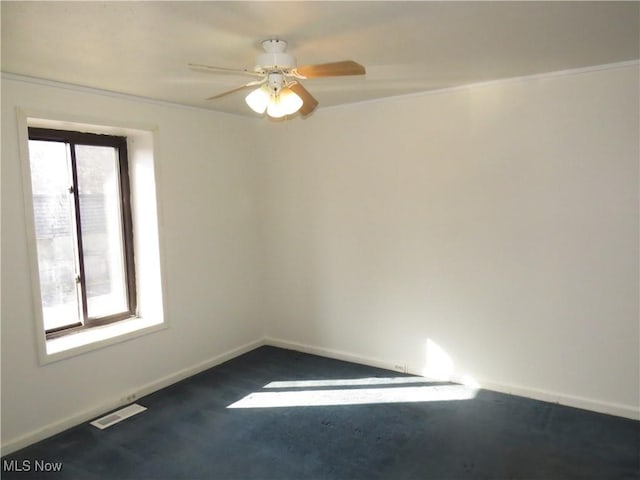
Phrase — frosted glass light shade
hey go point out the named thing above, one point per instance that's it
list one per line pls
(285, 103)
(258, 100)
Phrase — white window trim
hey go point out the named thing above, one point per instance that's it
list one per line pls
(146, 230)
(98, 337)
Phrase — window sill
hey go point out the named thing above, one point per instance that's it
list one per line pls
(99, 337)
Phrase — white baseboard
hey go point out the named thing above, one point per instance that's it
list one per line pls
(609, 408)
(123, 399)
(329, 353)
(600, 406)
(132, 395)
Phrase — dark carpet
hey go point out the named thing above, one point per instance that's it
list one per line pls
(189, 433)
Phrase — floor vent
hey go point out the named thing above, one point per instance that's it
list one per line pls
(117, 416)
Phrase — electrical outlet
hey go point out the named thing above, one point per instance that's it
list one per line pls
(400, 367)
(129, 398)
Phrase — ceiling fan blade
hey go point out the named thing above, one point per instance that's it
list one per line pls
(335, 69)
(212, 69)
(309, 103)
(228, 92)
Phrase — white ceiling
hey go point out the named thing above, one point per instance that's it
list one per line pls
(142, 48)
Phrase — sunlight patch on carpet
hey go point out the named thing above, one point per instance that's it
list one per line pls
(355, 396)
(347, 382)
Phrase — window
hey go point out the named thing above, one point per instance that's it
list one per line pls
(83, 229)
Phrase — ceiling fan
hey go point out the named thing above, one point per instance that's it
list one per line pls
(279, 91)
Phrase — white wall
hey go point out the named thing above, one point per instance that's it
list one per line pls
(499, 221)
(206, 183)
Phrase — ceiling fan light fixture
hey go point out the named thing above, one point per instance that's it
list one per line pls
(281, 92)
(286, 102)
(258, 99)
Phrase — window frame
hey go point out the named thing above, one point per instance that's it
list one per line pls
(73, 138)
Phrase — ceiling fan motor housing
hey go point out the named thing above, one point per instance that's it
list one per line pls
(274, 57)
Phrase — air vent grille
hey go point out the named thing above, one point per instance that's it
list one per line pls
(118, 416)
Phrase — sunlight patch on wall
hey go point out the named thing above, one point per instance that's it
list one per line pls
(439, 365)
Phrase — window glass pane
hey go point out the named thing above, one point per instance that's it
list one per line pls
(55, 232)
(102, 235)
